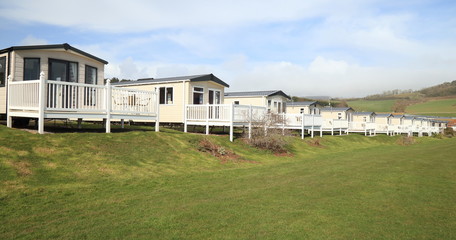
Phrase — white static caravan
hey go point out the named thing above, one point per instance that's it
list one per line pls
(384, 123)
(305, 107)
(177, 94)
(61, 81)
(362, 122)
(336, 118)
(275, 100)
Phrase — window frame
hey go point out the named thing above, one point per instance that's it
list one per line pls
(67, 69)
(214, 93)
(5, 78)
(198, 92)
(39, 68)
(85, 74)
(165, 101)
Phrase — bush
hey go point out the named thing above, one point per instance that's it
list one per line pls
(267, 135)
(449, 132)
(405, 141)
(205, 145)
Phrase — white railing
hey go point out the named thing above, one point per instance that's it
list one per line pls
(66, 99)
(132, 101)
(247, 113)
(213, 112)
(66, 96)
(300, 120)
(335, 123)
(24, 95)
(384, 127)
(79, 97)
(361, 126)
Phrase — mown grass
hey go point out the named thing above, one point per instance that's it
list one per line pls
(372, 105)
(147, 185)
(436, 107)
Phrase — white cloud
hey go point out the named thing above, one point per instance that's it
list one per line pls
(31, 40)
(143, 15)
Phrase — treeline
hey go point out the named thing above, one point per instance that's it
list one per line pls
(114, 80)
(441, 90)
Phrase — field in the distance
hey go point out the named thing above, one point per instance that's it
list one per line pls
(435, 107)
(372, 105)
(147, 185)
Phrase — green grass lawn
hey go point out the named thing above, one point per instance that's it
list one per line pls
(148, 185)
(372, 105)
(441, 107)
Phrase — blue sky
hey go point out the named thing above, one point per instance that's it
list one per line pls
(336, 48)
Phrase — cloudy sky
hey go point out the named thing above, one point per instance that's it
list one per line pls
(344, 48)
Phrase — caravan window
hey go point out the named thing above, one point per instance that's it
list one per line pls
(198, 93)
(91, 75)
(61, 70)
(2, 71)
(31, 69)
(166, 95)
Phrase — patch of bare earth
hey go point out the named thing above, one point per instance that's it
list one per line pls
(220, 152)
(22, 168)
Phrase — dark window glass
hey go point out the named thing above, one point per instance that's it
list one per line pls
(91, 75)
(169, 95)
(211, 97)
(64, 71)
(2, 71)
(31, 69)
(166, 95)
(198, 95)
(162, 95)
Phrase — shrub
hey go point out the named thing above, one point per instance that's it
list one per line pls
(449, 132)
(267, 135)
(205, 145)
(405, 141)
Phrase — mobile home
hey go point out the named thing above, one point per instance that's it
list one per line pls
(275, 101)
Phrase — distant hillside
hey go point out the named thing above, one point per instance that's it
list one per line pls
(441, 90)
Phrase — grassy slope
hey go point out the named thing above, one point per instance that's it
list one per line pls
(156, 185)
(372, 105)
(438, 107)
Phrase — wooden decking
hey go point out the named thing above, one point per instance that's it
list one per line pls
(43, 99)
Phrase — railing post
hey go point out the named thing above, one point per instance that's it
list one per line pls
(9, 118)
(207, 119)
(41, 103)
(157, 111)
(302, 125)
(250, 120)
(231, 122)
(185, 117)
(108, 105)
(313, 123)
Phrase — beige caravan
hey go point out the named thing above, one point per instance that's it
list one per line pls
(307, 107)
(276, 101)
(177, 92)
(345, 113)
(60, 62)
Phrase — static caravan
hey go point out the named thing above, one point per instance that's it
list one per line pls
(59, 62)
(275, 101)
(363, 122)
(177, 92)
(364, 117)
(306, 107)
(397, 120)
(62, 82)
(341, 113)
(384, 123)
